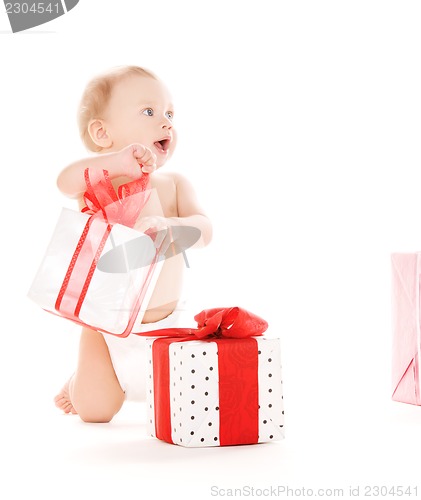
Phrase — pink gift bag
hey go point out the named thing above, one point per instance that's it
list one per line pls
(406, 270)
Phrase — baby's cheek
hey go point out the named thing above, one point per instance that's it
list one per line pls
(174, 141)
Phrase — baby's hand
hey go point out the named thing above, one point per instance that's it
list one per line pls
(135, 156)
(158, 228)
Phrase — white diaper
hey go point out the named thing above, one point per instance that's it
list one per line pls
(128, 354)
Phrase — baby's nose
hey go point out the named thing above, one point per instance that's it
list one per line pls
(166, 122)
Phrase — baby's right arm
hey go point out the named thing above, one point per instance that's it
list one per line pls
(131, 162)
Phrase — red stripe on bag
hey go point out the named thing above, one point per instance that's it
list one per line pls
(81, 267)
(91, 271)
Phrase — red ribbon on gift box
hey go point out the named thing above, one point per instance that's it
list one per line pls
(106, 207)
(238, 415)
(122, 207)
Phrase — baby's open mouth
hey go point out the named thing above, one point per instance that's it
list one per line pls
(162, 145)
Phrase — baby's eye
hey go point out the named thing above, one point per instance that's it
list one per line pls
(169, 115)
(148, 111)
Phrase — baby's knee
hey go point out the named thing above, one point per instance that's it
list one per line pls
(96, 415)
(97, 411)
(95, 407)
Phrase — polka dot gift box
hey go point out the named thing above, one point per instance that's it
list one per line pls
(217, 385)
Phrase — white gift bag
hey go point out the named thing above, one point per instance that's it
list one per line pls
(110, 291)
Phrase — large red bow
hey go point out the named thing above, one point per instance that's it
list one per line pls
(231, 322)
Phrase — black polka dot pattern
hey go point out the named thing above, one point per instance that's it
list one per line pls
(271, 417)
(199, 396)
(150, 426)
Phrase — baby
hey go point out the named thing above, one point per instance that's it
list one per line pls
(126, 115)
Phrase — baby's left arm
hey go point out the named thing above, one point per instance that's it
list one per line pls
(190, 213)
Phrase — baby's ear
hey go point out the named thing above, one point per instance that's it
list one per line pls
(98, 134)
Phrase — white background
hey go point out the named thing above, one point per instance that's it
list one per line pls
(299, 125)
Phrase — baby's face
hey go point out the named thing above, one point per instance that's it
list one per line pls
(141, 111)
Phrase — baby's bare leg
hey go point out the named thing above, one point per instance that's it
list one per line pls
(94, 391)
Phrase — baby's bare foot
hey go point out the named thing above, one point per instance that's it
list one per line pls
(62, 400)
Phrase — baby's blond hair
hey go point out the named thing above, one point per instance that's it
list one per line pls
(96, 97)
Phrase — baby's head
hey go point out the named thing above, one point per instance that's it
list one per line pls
(124, 106)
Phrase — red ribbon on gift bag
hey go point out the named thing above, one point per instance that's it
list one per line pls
(238, 415)
(106, 207)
